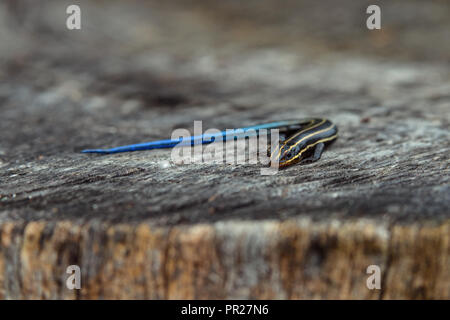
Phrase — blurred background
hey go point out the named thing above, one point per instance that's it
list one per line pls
(137, 60)
(411, 29)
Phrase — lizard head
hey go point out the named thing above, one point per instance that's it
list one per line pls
(285, 155)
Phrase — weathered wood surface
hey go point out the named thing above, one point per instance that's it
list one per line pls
(142, 227)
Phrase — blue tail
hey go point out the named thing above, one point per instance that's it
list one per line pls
(193, 140)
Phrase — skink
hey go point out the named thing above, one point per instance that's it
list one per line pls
(301, 140)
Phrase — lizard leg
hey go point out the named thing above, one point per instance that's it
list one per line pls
(317, 153)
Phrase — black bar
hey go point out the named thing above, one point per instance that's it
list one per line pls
(225, 309)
